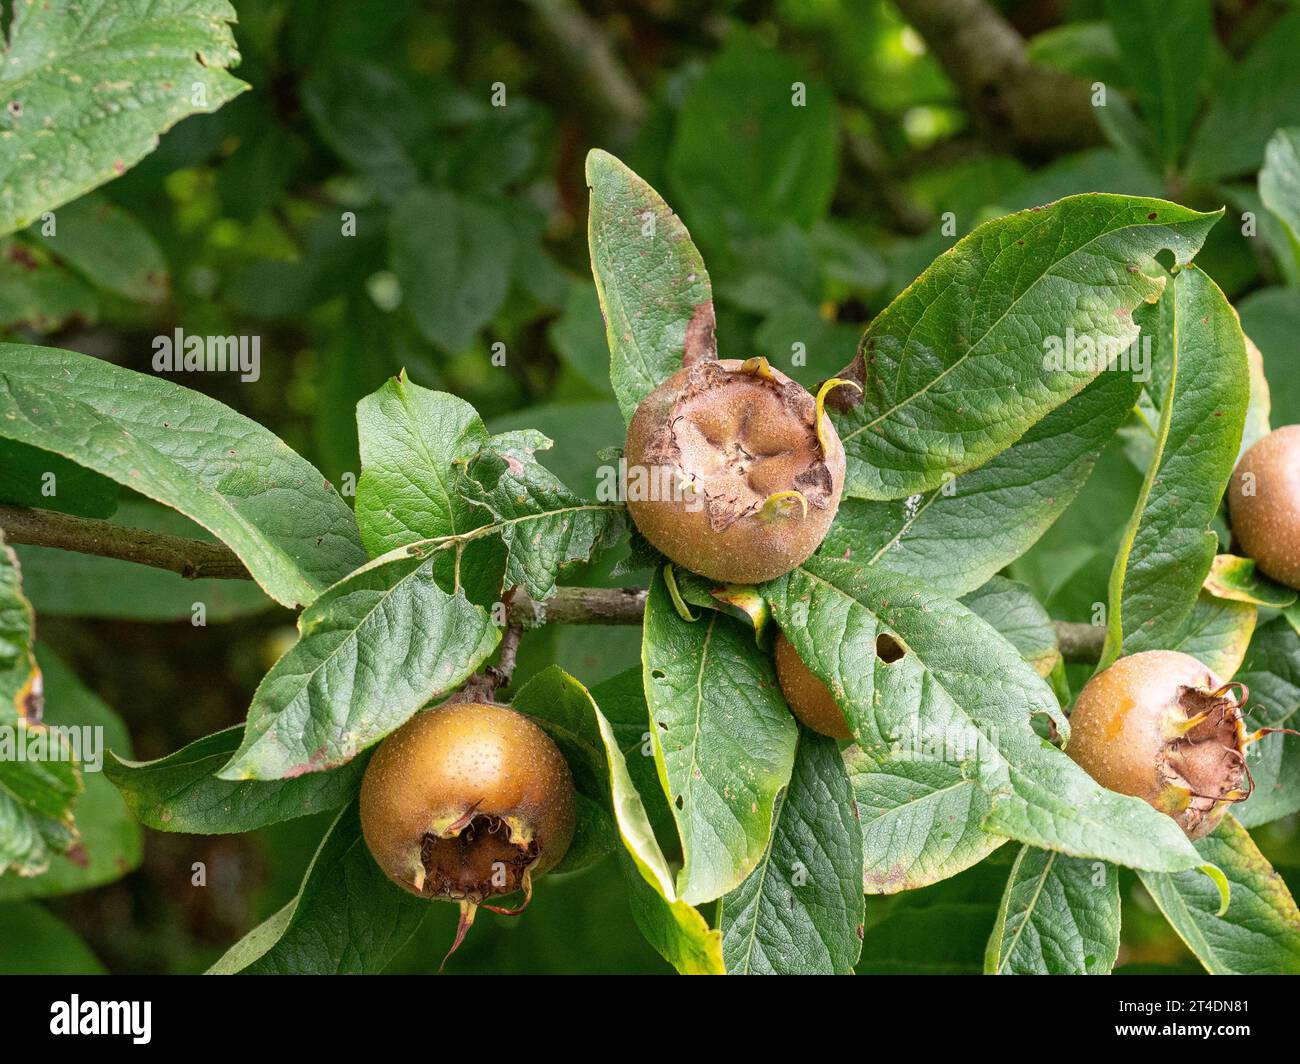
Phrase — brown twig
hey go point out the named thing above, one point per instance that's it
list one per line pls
(197, 559)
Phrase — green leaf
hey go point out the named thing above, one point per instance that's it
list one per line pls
(751, 149)
(1260, 932)
(1059, 916)
(64, 583)
(1166, 50)
(412, 442)
(959, 694)
(1238, 580)
(28, 475)
(109, 247)
(347, 918)
(578, 336)
(371, 651)
(1271, 672)
(675, 928)
(236, 479)
(36, 942)
(1217, 633)
(39, 780)
(109, 843)
(135, 68)
(724, 741)
(1260, 93)
(800, 912)
(1168, 547)
(957, 536)
(1013, 612)
(38, 293)
(545, 527)
(1279, 182)
(654, 290)
(965, 361)
(452, 257)
(181, 792)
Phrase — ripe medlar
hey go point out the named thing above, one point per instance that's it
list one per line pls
(744, 471)
(1161, 726)
(809, 699)
(1264, 503)
(465, 802)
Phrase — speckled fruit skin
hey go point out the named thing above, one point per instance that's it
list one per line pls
(809, 699)
(1268, 522)
(743, 438)
(448, 762)
(1124, 732)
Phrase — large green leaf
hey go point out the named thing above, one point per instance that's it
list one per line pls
(960, 693)
(1168, 547)
(1013, 612)
(181, 792)
(1059, 916)
(654, 290)
(38, 293)
(89, 87)
(371, 651)
(800, 911)
(1259, 934)
(36, 942)
(1166, 50)
(1259, 94)
(958, 535)
(1217, 633)
(109, 247)
(674, 927)
(750, 149)
(109, 843)
(545, 527)
(965, 361)
(1271, 672)
(347, 917)
(724, 741)
(1279, 181)
(37, 791)
(236, 479)
(453, 258)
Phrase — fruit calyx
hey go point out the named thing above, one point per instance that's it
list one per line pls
(740, 456)
(1203, 762)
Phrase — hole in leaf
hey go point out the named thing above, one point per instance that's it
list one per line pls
(889, 649)
(680, 803)
(657, 674)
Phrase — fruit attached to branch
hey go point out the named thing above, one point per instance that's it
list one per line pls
(1264, 501)
(734, 471)
(467, 802)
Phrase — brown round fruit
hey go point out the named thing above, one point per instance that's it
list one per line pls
(810, 700)
(1264, 501)
(728, 474)
(467, 801)
(1162, 727)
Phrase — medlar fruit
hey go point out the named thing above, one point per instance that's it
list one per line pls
(1161, 726)
(465, 802)
(1264, 503)
(734, 472)
(809, 699)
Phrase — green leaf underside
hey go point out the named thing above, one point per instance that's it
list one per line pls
(1059, 916)
(1260, 932)
(654, 290)
(36, 795)
(174, 445)
(1168, 547)
(955, 368)
(346, 919)
(110, 842)
(958, 535)
(1271, 671)
(371, 651)
(672, 926)
(724, 741)
(1279, 181)
(960, 696)
(800, 912)
(95, 85)
(181, 792)
(1217, 633)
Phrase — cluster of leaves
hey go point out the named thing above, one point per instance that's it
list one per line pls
(967, 459)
